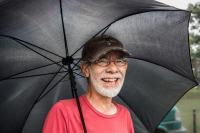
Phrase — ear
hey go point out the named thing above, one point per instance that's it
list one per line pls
(85, 69)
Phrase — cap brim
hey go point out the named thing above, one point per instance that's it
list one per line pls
(107, 50)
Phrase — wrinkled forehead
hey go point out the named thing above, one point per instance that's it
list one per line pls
(113, 55)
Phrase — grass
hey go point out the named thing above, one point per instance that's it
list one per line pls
(186, 105)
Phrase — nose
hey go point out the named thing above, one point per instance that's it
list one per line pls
(112, 68)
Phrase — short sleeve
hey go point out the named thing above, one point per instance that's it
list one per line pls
(55, 121)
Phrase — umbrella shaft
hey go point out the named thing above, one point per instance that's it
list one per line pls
(74, 94)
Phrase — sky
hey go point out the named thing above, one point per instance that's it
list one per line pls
(182, 4)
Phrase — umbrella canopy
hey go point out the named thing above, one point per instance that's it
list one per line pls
(40, 49)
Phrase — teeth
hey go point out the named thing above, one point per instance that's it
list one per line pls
(109, 79)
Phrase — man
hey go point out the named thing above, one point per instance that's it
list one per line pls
(104, 65)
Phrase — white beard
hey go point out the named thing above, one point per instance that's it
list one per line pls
(107, 92)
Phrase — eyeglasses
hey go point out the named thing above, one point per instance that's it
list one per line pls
(105, 62)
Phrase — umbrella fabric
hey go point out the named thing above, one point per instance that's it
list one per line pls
(34, 71)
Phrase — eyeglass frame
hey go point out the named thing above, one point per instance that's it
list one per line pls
(123, 59)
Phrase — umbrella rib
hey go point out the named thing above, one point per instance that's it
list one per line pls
(76, 64)
(77, 58)
(107, 27)
(63, 28)
(76, 69)
(10, 77)
(105, 30)
(79, 74)
(91, 38)
(41, 94)
(14, 38)
(48, 83)
(59, 81)
(36, 75)
(39, 53)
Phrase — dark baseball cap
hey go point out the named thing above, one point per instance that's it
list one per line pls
(97, 47)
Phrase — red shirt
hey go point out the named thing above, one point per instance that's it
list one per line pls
(64, 118)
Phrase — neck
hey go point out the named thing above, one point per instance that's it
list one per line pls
(101, 103)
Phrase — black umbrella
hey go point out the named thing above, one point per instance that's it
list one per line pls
(40, 48)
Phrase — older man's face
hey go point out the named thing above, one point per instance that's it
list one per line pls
(107, 74)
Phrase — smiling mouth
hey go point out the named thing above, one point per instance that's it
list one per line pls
(109, 80)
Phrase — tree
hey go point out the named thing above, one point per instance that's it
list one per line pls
(195, 37)
(195, 29)
(195, 17)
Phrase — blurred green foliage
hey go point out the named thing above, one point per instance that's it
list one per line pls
(195, 29)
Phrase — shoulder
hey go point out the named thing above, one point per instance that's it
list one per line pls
(62, 109)
(63, 105)
(127, 115)
(68, 105)
(122, 108)
(67, 102)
